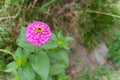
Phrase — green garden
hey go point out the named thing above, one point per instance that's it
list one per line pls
(59, 39)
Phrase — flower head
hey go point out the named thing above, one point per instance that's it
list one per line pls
(38, 33)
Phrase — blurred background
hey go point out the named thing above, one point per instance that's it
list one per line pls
(94, 25)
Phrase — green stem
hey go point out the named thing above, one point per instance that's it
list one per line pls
(108, 14)
(38, 49)
(5, 51)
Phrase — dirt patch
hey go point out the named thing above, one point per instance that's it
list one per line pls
(79, 58)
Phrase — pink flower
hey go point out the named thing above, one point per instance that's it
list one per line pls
(38, 33)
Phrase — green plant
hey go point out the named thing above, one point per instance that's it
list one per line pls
(99, 73)
(97, 21)
(4, 39)
(115, 76)
(40, 63)
(23, 11)
(114, 51)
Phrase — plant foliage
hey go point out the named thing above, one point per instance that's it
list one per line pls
(39, 63)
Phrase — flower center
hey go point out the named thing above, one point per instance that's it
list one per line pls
(39, 29)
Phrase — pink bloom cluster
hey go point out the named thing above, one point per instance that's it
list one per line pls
(38, 33)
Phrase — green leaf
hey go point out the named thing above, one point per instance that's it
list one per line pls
(62, 54)
(59, 55)
(22, 42)
(2, 29)
(57, 69)
(51, 44)
(117, 33)
(11, 67)
(40, 64)
(26, 72)
(67, 39)
(62, 76)
(12, 1)
(62, 41)
(54, 58)
(50, 78)
(21, 56)
(59, 35)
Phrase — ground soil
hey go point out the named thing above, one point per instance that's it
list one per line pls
(81, 57)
